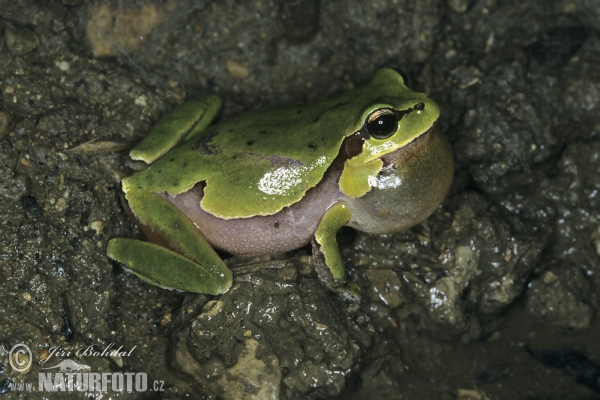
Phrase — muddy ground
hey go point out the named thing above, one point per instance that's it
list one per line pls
(493, 297)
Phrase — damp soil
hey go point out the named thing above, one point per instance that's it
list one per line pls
(493, 297)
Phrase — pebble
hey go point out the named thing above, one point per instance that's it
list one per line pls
(20, 40)
(141, 101)
(97, 226)
(63, 66)
(237, 70)
(60, 205)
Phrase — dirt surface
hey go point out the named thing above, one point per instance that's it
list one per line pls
(493, 297)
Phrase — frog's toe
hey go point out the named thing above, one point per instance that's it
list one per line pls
(349, 292)
(168, 269)
(346, 289)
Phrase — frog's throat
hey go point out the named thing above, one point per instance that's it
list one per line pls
(412, 184)
(358, 171)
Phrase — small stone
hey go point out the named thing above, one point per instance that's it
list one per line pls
(60, 205)
(212, 308)
(385, 287)
(20, 40)
(549, 278)
(61, 183)
(141, 101)
(166, 318)
(97, 226)
(63, 66)
(321, 327)
(237, 70)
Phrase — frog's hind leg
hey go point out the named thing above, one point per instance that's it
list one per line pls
(189, 264)
(185, 122)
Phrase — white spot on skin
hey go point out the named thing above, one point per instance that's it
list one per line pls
(385, 182)
(281, 180)
(278, 182)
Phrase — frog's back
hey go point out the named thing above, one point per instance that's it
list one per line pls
(256, 163)
(260, 162)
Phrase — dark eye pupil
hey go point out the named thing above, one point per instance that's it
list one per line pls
(383, 126)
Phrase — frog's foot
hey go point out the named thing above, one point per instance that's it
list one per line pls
(167, 269)
(349, 291)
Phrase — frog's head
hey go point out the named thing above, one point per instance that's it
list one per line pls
(399, 165)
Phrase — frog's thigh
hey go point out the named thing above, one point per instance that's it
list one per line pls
(193, 265)
(335, 217)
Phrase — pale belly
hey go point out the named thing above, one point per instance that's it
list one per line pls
(289, 229)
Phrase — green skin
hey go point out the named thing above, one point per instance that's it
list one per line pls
(292, 146)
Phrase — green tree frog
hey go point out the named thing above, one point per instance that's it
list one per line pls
(272, 181)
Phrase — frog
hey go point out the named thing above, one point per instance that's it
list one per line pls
(271, 181)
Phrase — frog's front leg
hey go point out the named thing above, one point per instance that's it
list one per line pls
(326, 253)
(192, 265)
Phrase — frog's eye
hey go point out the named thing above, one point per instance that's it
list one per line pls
(382, 123)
